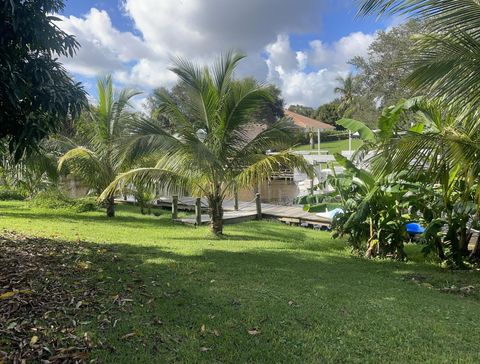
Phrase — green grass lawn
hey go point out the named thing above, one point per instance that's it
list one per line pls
(301, 295)
(336, 146)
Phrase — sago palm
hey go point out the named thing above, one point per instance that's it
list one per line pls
(446, 57)
(98, 161)
(210, 154)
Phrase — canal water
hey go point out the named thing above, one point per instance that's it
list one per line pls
(278, 192)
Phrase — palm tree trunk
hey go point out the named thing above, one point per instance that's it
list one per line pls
(215, 210)
(463, 243)
(110, 206)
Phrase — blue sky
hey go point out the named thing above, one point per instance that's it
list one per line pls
(302, 46)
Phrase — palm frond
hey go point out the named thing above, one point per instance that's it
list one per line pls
(223, 69)
(84, 164)
(265, 165)
(441, 14)
(151, 179)
(446, 65)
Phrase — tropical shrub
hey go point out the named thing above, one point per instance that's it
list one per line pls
(55, 199)
(8, 194)
(436, 153)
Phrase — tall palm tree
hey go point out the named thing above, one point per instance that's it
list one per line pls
(347, 93)
(98, 161)
(446, 57)
(210, 154)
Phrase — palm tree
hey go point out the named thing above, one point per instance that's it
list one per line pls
(211, 153)
(347, 93)
(446, 57)
(98, 161)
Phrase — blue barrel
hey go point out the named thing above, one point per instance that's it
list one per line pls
(414, 228)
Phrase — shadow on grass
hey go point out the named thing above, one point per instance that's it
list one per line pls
(292, 296)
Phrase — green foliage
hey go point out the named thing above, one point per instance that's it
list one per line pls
(302, 110)
(445, 60)
(210, 154)
(321, 207)
(98, 160)
(328, 113)
(36, 92)
(435, 156)
(8, 194)
(381, 76)
(55, 199)
(357, 126)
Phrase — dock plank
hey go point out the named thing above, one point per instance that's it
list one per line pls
(247, 211)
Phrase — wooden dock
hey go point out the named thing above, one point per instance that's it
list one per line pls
(293, 215)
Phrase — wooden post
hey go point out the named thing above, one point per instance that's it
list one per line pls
(235, 197)
(258, 202)
(174, 207)
(318, 137)
(198, 211)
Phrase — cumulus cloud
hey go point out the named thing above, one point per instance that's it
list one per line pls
(200, 30)
(103, 49)
(309, 77)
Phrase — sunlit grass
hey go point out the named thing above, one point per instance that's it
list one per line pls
(301, 295)
(336, 146)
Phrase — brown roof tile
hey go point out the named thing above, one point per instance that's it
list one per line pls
(306, 122)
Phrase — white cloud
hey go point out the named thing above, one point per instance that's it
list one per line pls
(308, 77)
(103, 49)
(200, 30)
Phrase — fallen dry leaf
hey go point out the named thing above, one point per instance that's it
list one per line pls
(203, 349)
(254, 332)
(33, 340)
(13, 293)
(35, 276)
(131, 334)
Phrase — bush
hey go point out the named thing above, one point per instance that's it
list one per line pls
(55, 199)
(7, 194)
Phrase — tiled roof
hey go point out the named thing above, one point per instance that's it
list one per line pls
(306, 122)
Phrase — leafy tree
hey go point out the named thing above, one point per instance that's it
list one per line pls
(381, 77)
(446, 57)
(30, 174)
(98, 161)
(328, 113)
(212, 155)
(36, 93)
(374, 213)
(302, 110)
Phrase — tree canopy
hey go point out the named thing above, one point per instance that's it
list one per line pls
(36, 92)
(380, 75)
